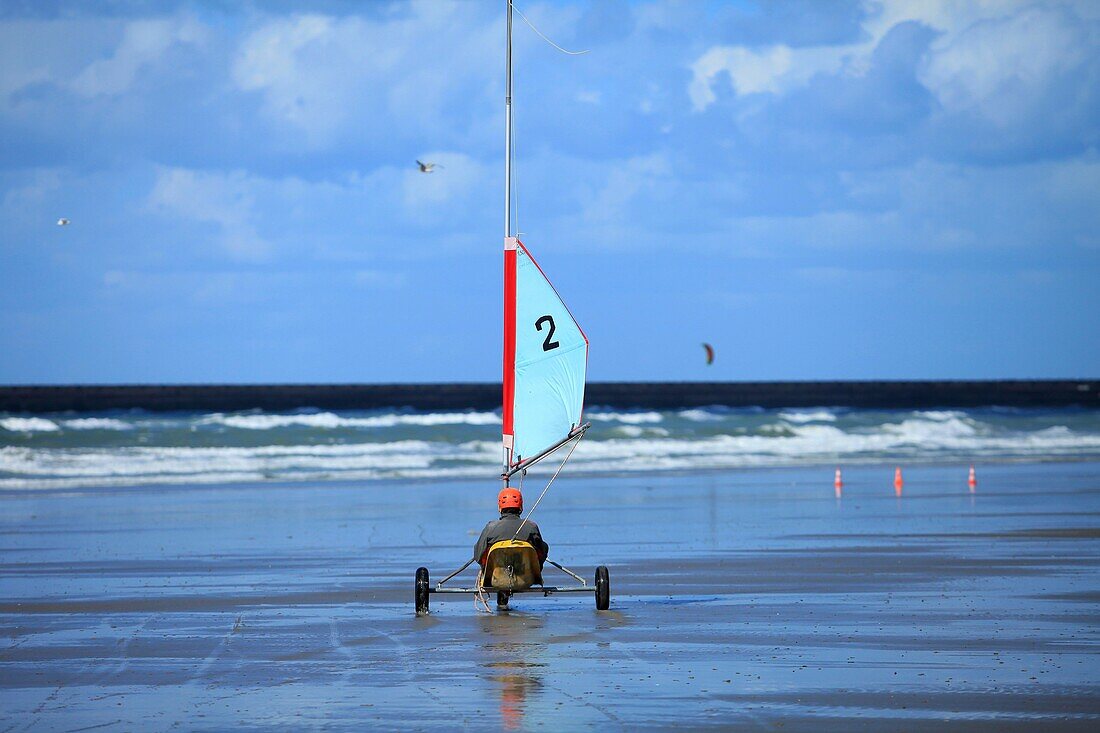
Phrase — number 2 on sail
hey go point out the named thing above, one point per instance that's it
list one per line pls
(547, 344)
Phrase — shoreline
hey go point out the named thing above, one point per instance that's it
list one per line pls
(851, 468)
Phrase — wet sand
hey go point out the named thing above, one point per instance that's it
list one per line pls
(741, 600)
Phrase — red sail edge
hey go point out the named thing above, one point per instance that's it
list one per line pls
(509, 380)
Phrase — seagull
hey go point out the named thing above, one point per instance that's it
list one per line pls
(428, 167)
(63, 222)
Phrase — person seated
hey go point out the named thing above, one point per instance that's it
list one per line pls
(510, 503)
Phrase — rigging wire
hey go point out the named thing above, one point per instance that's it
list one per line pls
(543, 36)
(536, 506)
(515, 168)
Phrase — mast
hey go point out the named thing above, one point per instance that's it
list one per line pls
(508, 128)
(506, 458)
(544, 362)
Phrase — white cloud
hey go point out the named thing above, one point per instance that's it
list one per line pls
(946, 16)
(1000, 67)
(614, 202)
(38, 51)
(143, 42)
(750, 71)
(350, 217)
(269, 61)
(225, 200)
(31, 198)
(319, 75)
(455, 176)
(18, 68)
(983, 47)
(929, 207)
(774, 69)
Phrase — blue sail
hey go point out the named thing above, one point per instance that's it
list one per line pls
(545, 359)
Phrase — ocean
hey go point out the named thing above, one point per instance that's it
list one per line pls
(135, 448)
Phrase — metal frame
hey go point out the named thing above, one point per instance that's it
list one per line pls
(546, 590)
(528, 462)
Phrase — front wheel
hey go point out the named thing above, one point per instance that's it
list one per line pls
(603, 589)
(421, 593)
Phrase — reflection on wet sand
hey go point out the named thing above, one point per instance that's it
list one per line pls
(513, 662)
(514, 687)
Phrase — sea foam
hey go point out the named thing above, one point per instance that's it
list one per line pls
(28, 425)
(133, 449)
(330, 421)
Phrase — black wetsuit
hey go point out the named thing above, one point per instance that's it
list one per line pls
(503, 529)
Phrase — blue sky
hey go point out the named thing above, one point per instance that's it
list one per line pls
(839, 190)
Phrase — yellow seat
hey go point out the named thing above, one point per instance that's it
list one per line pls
(512, 565)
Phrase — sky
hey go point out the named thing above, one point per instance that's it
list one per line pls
(896, 189)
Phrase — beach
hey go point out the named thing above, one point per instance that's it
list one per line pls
(781, 323)
(747, 599)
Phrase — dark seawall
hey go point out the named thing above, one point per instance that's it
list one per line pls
(487, 396)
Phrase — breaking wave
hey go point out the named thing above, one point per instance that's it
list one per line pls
(330, 421)
(125, 449)
(28, 425)
(626, 418)
(809, 416)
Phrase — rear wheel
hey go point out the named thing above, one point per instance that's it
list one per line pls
(421, 591)
(603, 589)
(502, 599)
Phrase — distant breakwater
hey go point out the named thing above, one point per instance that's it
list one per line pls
(487, 396)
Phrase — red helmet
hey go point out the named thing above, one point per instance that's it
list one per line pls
(509, 498)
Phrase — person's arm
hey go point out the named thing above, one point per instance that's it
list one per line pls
(541, 547)
(481, 545)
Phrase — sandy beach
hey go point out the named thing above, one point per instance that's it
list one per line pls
(286, 288)
(749, 599)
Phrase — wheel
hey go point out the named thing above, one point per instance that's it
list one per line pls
(421, 596)
(603, 589)
(502, 599)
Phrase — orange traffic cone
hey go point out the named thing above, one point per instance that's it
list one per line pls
(898, 482)
(838, 483)
(972, 481)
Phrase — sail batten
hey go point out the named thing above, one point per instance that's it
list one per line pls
(545, 360)
(537, 360)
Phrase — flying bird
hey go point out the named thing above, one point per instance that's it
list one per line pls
(710, 353)
(428, 167)
(63, 222)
